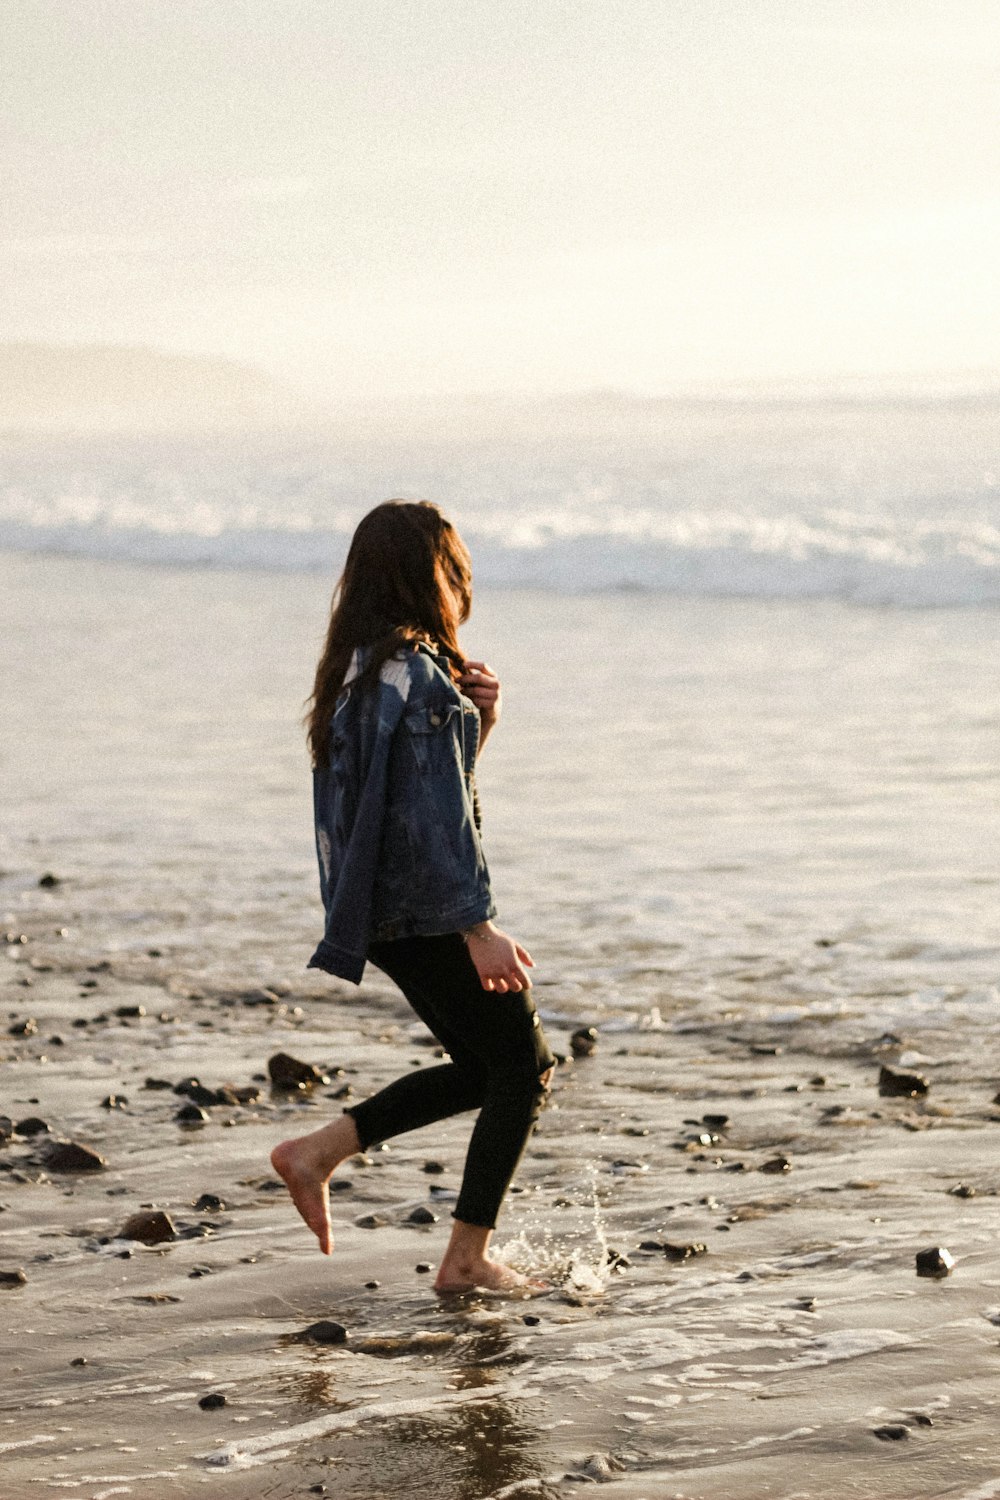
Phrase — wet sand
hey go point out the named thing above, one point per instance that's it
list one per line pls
(762, 1365)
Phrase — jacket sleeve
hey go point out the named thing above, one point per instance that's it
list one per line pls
(355, 802)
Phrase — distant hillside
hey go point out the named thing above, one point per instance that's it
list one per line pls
(104, 388)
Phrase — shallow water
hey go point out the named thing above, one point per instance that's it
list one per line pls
(744, 838)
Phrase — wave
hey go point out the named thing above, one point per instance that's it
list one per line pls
(690, 553)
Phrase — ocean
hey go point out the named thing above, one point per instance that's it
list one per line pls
(894, 502)
(743, 808)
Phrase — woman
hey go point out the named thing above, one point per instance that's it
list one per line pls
(397, 720)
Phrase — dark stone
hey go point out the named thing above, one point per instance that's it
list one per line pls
(154, 952)
(935, 1262)
(209, 1203)
(13, 1278)
(79, 1361)
(247, 1093)
(371, 1221)
(191, 1114)
(341, 1185)
(432, 1168)
(715, 1122)
(763, 1051)
(70, 1156)
(260, 997)
(198, 1272)
(921, 1418)
(48, 880)
(212, 1401)
(158, 1085)
(149, 1227)
(114, 1101)
(895, 1085)
(6, 1128)
(323, 1332)
(423, 1267)
(131, 1012)
(651, 1245)
(531, 1320)
(27, 1027)
(962, 1190)
(421, 1215)
(583, 1042)
(373, 1286)
(892, 1432)
(205, 1097)
(776, 1165)
(818, 1082)
(56, 1041)
(290, 1074)
(683, 1252)
(32, 1126)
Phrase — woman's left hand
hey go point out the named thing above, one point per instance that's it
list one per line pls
(480, 683)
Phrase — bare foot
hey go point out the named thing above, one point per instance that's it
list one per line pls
(487, 1276)
(306, 1165)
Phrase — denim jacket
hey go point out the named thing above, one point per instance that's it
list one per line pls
(396, 827)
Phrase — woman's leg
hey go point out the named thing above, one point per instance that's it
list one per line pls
(498, 1044)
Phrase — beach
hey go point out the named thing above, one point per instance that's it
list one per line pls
(751, 841)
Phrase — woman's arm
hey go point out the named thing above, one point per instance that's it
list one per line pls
(480, 683)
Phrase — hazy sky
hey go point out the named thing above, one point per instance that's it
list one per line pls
(447, 195)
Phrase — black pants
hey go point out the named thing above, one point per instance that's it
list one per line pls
(498, 1052)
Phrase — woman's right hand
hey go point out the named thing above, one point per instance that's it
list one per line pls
(500, 962)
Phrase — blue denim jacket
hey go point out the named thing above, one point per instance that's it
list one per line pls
(396, 836)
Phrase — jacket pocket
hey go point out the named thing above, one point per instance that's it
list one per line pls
(434, 733)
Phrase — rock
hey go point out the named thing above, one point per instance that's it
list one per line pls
(893, 1084)
(13, 1278)
(205, 1097)
(209, 1203)
(260, 997)
(158, 1085)
(432, 1168)
(373, 1286)
(892, 1432)
(212, 1401)
(715, 1122)
(289, 1073)
(27, 1027)
(114, 1101)
(323, 1332)
(48, 881)
(583, 1042)
(371, 1221)
(761, 1050)
(79, 1361)
(962, 1190)
(423, 1267)
(149, 1227)
(531, 1320)
(935, 1262)
(191, 1114)
(70, 1156)
(6, 1128)
(32, 1126)
(600, 1467)
(247, 1093)
(683, 1252)
(777, 1164)
(421, 1215)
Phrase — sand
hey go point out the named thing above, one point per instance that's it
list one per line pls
(763, 1365)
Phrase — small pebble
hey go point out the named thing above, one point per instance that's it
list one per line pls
(114, 1101)
(191, 1114)
(421, 1215)
(777, 1164)
(935, 1262)
(895, 1085)
(212, 1401)
(423, 1267)
(892, 1432)
(13, 1278)
(80, 1360)
(531, 1320)
(583, 1042)
(373, 1286)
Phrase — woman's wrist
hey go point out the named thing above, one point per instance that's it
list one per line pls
(480, 930)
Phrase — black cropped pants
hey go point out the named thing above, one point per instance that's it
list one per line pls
(498, 1052)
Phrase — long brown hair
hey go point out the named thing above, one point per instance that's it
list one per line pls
(407, 578)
